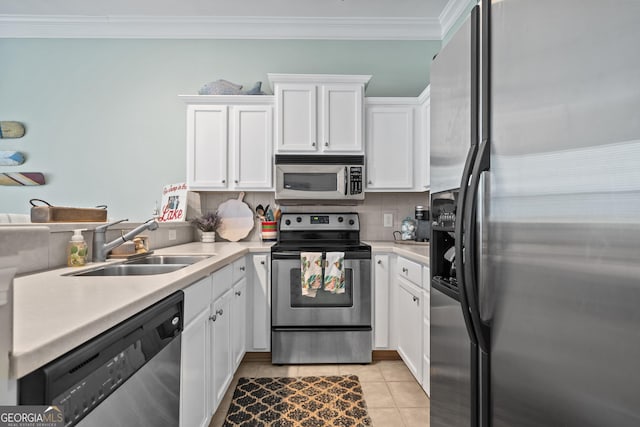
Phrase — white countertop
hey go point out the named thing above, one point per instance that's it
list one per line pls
(415, 252)
(54, 313)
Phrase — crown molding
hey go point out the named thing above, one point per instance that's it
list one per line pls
(211, 27)
(451, 13)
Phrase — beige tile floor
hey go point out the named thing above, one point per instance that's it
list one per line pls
(393, 396)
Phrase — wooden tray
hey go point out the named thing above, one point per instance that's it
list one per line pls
(62, 214)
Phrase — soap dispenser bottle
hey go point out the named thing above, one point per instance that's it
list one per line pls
(77, 250)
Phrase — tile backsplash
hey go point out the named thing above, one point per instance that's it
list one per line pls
(371, 210)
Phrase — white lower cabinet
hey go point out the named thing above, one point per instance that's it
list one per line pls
(410, 320)
(195, 358)
(220, 347)
(261, 304)
(381, 320)
(239, 322)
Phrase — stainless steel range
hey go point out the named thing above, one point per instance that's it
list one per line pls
(328, 327)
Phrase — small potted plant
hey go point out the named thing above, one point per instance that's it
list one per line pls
(208, 224)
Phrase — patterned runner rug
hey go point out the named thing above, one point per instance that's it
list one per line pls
(298, 402)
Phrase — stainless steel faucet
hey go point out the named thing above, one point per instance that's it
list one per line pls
(101, 249)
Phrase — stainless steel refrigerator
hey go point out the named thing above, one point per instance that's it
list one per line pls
(535, 202)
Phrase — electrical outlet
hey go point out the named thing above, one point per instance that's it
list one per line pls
(388, 220)
(172, 235)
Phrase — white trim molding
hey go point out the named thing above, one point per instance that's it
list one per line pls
(451, 13)
(212, 27)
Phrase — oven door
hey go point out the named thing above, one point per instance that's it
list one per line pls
(313, 182)
(291, 309)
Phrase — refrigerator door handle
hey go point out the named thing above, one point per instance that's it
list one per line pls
(459, 239)
(470, 265)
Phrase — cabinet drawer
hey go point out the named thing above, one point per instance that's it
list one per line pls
(222, 281)
(196, 298)
(239, 269)
(410, 270)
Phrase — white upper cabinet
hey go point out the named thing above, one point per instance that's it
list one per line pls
(390, 145)
(317, 113)
(424, 141)
(207, 142)
(397, 143)
(230, 142)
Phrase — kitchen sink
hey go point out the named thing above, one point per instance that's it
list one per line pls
(131, 270)
(168, 259)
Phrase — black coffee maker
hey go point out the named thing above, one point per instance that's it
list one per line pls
(423, 224)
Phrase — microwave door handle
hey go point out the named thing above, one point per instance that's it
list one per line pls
(346, 179)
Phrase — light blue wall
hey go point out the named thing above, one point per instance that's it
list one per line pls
(104, 123)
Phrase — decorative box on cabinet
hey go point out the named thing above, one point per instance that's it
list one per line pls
(229, 142)
(319, 113)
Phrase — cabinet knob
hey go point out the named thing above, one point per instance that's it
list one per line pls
(213, 318)
(235, 181)
(326, 144)
(238, 293)
(313, 144)
(219, 312)
(379, 262)
(405, 270)
(224, 181)
(370, 182)
(416, 299)
(242, 268)
(262, 262)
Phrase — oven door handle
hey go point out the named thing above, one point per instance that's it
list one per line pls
(346, 180)
(285, 255)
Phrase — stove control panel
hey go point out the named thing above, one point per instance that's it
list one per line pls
(324, 221)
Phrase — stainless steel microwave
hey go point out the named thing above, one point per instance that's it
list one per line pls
(319, 177)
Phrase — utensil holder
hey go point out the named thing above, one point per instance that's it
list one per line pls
(269, 230)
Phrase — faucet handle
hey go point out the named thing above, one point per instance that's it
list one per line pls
(105, 226)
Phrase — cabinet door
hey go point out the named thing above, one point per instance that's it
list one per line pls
(425, 143)
(194, 371)
(381, 301)
(341, 118)
(296, 117)
(410, 322)
(252, 142)
(426, 343)
(207, 140)
(390, 147)
(261, 309)
(220, 348)
(238, 322)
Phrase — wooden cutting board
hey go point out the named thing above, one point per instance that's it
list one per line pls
(236, 219)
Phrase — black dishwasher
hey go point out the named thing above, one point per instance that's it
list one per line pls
(127, 376)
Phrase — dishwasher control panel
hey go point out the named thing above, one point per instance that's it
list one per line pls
(82, 397)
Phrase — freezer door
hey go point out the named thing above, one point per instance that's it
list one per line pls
(450, 369)
(451, 111)
(564, 213)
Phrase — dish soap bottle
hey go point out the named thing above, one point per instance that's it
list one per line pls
(77, 250)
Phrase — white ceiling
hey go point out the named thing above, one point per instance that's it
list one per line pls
(321, 19)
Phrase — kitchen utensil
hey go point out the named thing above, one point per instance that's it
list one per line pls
(236, 219)
(51, 213)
